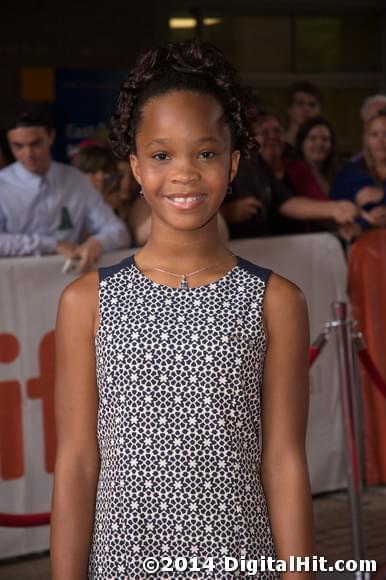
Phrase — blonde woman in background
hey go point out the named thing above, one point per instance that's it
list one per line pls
(364, 181)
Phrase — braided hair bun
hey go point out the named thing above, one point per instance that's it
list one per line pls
(192, 66)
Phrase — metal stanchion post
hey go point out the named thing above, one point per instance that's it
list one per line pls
(358, 407)
(347, 397)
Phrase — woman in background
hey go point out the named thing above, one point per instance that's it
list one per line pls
(115, 181)
(363, 182)
(316, 148)
(101, 167)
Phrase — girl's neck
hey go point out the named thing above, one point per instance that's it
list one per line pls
(183, 251)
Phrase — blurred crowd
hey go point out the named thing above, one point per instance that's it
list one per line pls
(294, 184)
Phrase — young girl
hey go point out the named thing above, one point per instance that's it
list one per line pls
(174, 363)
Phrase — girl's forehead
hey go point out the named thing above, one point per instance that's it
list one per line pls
(180, 114)
(182, 104)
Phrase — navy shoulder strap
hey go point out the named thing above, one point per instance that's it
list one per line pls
(262, 273)
(108, 271)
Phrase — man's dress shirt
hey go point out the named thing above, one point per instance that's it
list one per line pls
(38, 211)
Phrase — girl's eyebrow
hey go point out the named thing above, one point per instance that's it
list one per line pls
(165, 140)
(159, 141)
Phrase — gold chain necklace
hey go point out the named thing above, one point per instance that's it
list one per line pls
(184, 281)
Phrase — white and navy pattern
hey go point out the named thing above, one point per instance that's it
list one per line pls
(179, 375)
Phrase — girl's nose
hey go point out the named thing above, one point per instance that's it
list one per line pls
(185, 173)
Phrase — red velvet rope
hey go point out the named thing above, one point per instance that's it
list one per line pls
(376, 377)
(24, 520)
(313, 354)
(317, 347)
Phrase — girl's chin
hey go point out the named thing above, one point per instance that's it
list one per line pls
(188, 221)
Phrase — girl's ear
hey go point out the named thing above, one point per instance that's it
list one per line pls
(234, 164)
(135, 167)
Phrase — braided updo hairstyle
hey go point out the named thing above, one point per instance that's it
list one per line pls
(193, 66)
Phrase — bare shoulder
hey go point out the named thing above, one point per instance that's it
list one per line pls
(79, 300)
(281, 292)
(284, 304)
(81, 291)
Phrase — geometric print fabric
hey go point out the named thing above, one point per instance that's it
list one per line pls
(179, 374)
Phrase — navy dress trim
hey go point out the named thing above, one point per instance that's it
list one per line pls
(262, 273)
(108, 271)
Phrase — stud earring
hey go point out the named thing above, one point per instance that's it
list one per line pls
(141, 194)
(229, 190)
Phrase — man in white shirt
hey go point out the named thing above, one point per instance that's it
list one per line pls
(46, 206)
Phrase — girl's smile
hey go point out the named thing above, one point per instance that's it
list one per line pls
(186, 201)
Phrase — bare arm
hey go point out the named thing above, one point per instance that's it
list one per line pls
(77, 457)
(285, 408)
(304, 208)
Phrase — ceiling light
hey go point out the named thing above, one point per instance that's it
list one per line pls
(180, 22)
(212, 21)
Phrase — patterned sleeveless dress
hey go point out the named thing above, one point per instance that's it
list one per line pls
(179, 374)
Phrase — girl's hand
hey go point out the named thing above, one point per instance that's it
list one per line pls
(376, 216)
(369, 194)
(343, 212)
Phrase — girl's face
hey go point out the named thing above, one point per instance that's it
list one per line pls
(270, 135)
(375, 140)
(317, 145)
(184, 160)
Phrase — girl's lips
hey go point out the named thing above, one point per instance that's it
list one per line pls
(188, 202)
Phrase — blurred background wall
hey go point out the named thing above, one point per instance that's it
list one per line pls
(339, 45)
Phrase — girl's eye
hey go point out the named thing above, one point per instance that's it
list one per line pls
(160, 156)
(207, 154)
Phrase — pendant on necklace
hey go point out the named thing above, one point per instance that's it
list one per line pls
(184, 282)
